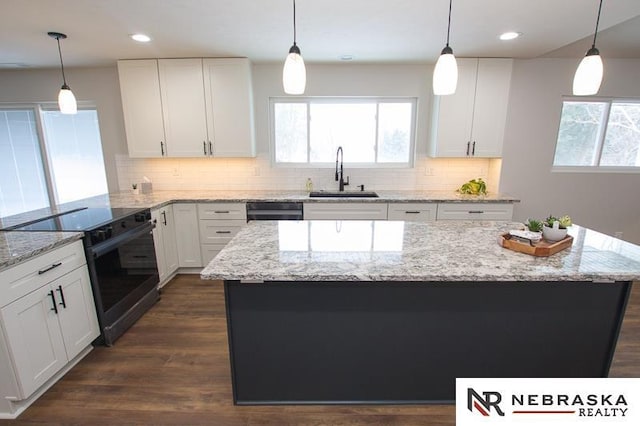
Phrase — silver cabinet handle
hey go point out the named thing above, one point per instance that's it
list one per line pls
(223, 232)
(473, 150)
(412, 212)
(476, 211)
(221, 211)
(468, 143)
(162, 148)
(204, 147)
(210, 148)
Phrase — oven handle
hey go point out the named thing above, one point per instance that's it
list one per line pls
(117, 241)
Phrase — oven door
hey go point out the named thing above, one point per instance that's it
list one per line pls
(124, 275)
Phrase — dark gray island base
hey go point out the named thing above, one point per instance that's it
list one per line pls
(377, 342)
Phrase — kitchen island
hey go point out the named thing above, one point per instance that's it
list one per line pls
(393, 312)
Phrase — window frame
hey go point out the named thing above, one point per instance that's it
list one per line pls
(38, 109)
(609, 101)
(413, 100)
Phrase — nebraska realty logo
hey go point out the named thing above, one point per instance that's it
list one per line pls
(548, 401)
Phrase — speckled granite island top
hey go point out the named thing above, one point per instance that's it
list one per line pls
(16, 247)
(412, 251)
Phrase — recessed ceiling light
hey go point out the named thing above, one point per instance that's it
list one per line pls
(509, 35)
(346, 57)
(142, 38)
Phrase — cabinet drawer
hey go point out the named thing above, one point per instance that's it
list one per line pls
(213, 232)
(345, 211)
(236, 211)
(32, 274)
(209, 251)
(475, 211)
(414, 212)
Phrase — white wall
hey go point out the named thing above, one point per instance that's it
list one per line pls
(606, 202)
(97, 85)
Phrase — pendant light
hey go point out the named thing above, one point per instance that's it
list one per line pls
(66, 101)
(589, 73)
(294, 74)
(445, 74)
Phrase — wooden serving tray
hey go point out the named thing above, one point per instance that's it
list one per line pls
(541, 248)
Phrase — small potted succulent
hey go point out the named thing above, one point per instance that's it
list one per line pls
(134, 189)
(555, 228)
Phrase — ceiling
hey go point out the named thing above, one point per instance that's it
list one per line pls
(372, 31)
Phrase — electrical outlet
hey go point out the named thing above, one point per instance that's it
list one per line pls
(428, 171)
(176, 172)
(256, 171)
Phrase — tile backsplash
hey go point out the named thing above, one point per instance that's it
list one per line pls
(258, 174)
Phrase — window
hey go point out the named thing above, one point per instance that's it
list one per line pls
(372, 132)
(61, 163)
(604, 134)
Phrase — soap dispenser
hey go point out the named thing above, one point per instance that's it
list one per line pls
(309, 185)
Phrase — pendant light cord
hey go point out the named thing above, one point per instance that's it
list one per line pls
(294, 22)
(597, 23)
(449, 23)
(64, 80)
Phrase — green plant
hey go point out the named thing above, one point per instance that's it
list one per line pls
(564, 221)
(534, 225)
(134, 186)
(473, 187)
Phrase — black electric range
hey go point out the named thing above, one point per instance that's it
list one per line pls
(121, 260)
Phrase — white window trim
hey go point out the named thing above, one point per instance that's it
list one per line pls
(601, 137)
(343, 99)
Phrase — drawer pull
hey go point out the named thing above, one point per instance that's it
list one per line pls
(62, 303)
(55, 265)
(53, 299)
(476, 211)
(221, 211)
(223, 232)
(412, 212)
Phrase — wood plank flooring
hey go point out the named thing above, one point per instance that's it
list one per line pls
(172, 367)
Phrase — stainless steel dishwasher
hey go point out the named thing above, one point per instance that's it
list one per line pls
(274, 210)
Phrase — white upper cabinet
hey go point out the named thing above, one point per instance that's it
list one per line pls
(471, 122)
(188, 107)
(142, 108)
(229, 102)
(183, 108)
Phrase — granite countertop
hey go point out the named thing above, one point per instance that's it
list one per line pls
(412, 251)
(16, 246)
(161, 198)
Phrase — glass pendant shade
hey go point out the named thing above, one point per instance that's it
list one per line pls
(588, 76)
(445, 74)
(294, 74)
(67, 101)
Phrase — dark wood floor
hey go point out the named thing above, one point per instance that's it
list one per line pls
(172, 367)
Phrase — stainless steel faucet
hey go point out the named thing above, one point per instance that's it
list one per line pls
(340, 171)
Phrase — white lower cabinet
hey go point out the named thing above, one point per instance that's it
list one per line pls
(164, 239)
(187, 235)
(345, 211)
(46, 328)
(219, 223)
(475, 211)
(412, 212)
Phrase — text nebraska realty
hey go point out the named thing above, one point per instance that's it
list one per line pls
(590, 405)
(584, 405)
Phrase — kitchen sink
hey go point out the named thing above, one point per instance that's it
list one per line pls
(343, 194)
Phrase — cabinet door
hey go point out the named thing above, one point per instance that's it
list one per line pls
(158, 242)
(169, 237)
(188, 239)
(490, 110)
(453, 114)
(142, 107)
(34, 339)
(229, 100)
(76, 311)
(182, 93)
